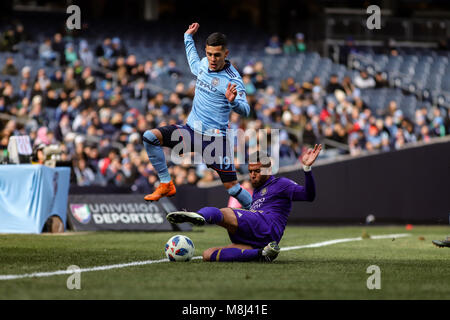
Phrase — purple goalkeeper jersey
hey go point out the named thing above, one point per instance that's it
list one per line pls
(274, 199)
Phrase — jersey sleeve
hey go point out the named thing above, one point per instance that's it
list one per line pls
(191, 54)
(240, 104)
(296, 192)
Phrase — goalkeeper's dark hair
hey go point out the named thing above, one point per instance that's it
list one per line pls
(260, 157)
(217, 39)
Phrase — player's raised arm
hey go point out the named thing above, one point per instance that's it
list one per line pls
(308, 191)
(191, 51)
(238, 100)
(310, 156)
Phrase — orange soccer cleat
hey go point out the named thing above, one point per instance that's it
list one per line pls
(163, 190)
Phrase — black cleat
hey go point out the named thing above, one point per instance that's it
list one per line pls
(442, 243)
(270, 252)
(184, 216)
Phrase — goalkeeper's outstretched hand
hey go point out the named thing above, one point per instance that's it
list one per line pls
(311, 155)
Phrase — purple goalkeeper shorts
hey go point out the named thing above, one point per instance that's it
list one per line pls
(255, 228)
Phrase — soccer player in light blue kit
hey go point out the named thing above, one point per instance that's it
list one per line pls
(255, 233)
(219, 90)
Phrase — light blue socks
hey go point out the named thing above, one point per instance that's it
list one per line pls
(242, 195)
(156, 155)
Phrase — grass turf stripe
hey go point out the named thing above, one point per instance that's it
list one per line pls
(146, 262)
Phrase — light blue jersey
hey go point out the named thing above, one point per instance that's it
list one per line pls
(210, 107)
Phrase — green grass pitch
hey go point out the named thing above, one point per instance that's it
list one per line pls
(411, 267)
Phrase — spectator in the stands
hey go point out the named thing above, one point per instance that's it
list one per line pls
(260, 82)
(258, 69)
(346, 50)
(9, 95)
(9, 67)
(380, 81)
(118, 48)
(399, 139)
(105, 49)
(57, 80)
(309, 137)
(83, 173)
(148, 69)
(159, 68)
(70, 54)
(373, 137)
(364, 81)
(274, 46)
(87, 80)
(289, 46)
(334, 85)
(59, 46)
(70, 82)
(128, 173)
(140, 91)
(248, 69)
(130, 64)
(20, 35)
(300, 42)
(24, 91)
(173, 69)
(7, 41)
(46, 52)
(348, 86)
(52, 100)
(391, 108)
(318, 92)
(248, 84)
(44, 81)
(437, 125)
(86, 55)
(289, 85)
(63, 128)
(26, 76)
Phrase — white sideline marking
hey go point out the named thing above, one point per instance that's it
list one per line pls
(141, 263)
(327, 243)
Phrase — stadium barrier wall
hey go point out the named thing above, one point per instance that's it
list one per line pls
(100, 212)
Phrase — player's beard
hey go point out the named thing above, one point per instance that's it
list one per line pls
(258, 183)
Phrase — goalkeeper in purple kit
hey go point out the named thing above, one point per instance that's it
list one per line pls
(255, 233)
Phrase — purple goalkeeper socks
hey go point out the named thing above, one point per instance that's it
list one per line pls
(235, 254)
(212, 215)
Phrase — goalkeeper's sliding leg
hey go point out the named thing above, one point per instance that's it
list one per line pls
(248, 230)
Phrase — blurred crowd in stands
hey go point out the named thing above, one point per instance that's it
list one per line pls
(82, 107)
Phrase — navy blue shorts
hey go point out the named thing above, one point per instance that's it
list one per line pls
(221, 161)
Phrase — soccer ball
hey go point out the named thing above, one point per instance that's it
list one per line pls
(179, 248)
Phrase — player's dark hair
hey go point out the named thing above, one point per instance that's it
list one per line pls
(260, 157)
(217, 39)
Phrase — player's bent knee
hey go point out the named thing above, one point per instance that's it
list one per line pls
(153, 137)
(229, 218)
